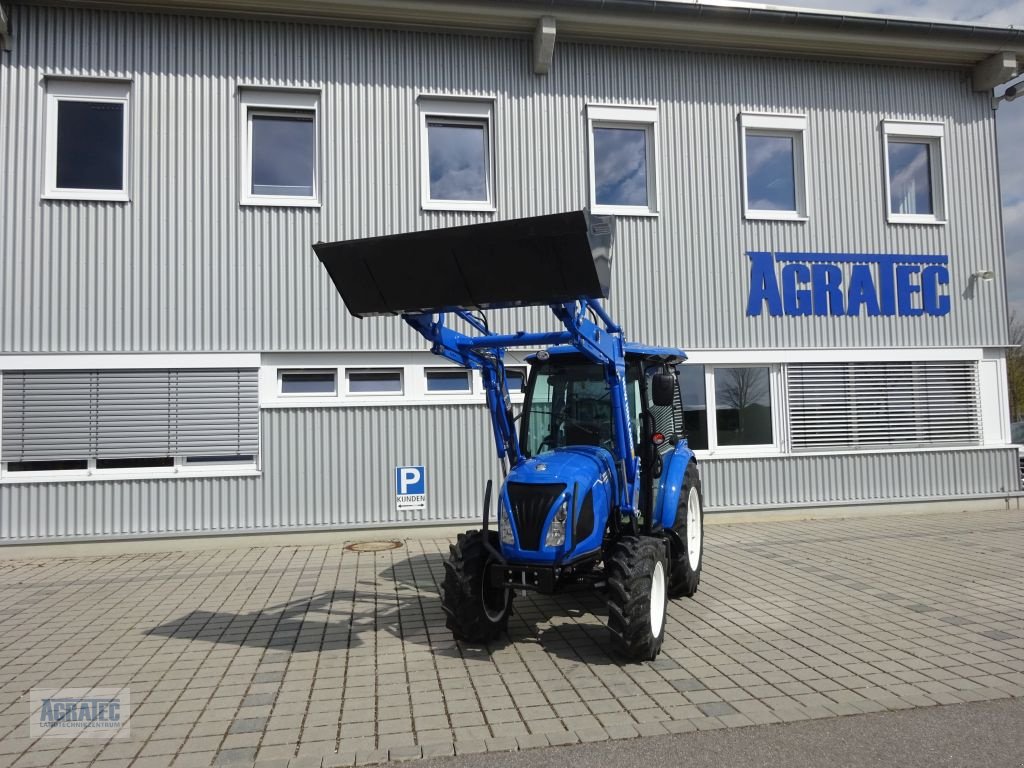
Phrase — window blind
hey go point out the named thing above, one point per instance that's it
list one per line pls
(110, 414)
(869, 405)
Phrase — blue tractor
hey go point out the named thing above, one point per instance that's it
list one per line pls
(600, 486)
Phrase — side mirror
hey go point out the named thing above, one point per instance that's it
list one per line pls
(663, 389)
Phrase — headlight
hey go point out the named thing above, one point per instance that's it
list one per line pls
(556, 531)
(505, 534)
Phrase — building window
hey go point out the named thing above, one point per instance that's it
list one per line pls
(374, 381)
(144, 463)
(692, 386)
(322, 383)
(279, 157)
(914, 172)
(743, 406)
(448, 382)
(66, 465)
(774, 170)
(856, 406)
(221, 460)
(87, 140)
(623, 159)
(730, 408)
(149, 421)
(515, 379)
(456, 143)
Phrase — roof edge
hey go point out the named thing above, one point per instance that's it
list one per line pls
(718, 24)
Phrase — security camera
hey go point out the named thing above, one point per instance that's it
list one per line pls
(985, 274)
(1013, 92)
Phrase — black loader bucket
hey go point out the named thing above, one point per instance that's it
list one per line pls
(517, 263)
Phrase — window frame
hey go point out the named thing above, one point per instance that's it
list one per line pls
(932, 383)
(413, 367)
(525, 371)
(468, 111)
(776, 398)
(276, 102)
(105, 91)
(629, 117)
(180, 468)
(783, 125)
(931, 134)
(467, 373)
(400, 392)
(284, 371)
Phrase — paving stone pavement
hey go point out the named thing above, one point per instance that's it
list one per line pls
(317, 656)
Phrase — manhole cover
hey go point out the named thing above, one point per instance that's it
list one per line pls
(373, 546)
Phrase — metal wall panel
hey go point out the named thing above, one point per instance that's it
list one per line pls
(774, 481)
(334, 468)
(184, 268)
(325, 467)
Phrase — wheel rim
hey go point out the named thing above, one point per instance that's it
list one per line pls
(494, 601)
(657, 599)
(694, 534)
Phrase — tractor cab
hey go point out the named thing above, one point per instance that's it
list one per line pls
(567, 436)
(568, 401)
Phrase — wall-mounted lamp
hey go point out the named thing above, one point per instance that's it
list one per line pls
(1015, 91)
(982, 275)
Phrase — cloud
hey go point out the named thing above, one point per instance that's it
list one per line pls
(1013, 221)
(620, 160)
(996, 13)
(1009, 118)
(458, 162)
(1010, 129)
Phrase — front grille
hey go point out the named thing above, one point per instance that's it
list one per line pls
(530, 506)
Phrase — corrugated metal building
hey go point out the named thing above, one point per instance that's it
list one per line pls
(807, 202)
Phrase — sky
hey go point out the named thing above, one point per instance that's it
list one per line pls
(1009, 117)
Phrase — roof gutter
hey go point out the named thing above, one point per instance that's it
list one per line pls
(709, 24)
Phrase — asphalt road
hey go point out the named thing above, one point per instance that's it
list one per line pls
(985, 734)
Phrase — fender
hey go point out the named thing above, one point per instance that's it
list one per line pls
(671, 485)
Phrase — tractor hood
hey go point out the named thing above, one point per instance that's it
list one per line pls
(538, 488)
(576, 463)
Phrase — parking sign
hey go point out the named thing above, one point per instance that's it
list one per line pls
(411, 487)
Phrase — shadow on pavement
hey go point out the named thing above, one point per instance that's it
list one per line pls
(404, 601)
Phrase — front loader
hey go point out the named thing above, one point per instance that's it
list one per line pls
(600, 486)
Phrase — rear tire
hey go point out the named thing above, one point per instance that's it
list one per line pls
(637, 576)
(475, 612)
(688, 559)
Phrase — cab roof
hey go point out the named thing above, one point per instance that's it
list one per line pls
(657, 354)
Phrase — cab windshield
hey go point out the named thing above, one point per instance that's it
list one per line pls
(568, 403)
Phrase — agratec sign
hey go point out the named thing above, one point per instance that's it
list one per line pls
(851, 284)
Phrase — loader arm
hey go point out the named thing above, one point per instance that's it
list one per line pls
(602, 345)
(561, 261)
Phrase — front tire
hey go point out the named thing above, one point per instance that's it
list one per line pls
(637, 576)
(475, 611)
(688, 559)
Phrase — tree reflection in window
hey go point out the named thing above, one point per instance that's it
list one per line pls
(743, 407)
